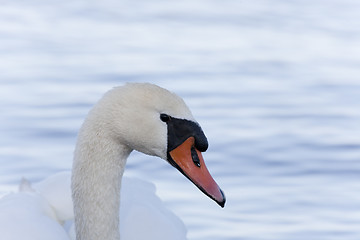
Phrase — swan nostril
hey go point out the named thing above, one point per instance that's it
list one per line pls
(195, 157)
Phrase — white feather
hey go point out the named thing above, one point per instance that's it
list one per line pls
(126, 118)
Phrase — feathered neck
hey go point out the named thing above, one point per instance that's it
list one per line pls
(99, 163)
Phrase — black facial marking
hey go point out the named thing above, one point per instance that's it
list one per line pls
(181, 129)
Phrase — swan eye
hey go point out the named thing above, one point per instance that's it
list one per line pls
(164, 117)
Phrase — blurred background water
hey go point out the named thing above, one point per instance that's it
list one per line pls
(274, 84)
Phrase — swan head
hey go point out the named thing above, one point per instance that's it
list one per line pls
(157, 122)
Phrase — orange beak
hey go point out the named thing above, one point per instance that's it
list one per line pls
(188, 160)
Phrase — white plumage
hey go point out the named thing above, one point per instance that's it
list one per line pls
(44, 211)
(126, 118)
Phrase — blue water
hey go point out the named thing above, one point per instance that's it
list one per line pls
(274, 84)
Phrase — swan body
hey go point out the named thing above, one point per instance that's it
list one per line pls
(37, 212)
(142, 117)
(27, 215)
(44, 211)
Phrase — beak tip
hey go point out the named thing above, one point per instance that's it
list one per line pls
(223, 199)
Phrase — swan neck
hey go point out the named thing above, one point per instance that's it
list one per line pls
(98, 167)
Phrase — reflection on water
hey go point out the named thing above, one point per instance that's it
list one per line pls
(274, 85)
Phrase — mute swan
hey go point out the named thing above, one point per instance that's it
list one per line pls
(137, 116)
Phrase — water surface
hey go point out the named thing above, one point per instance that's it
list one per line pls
(275, 86)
